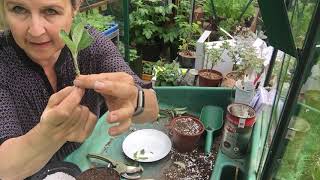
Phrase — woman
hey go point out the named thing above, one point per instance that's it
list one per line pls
(44, 109)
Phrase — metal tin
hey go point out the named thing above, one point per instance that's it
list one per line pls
(237, 130)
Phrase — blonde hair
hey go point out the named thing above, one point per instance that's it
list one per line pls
(2, 18)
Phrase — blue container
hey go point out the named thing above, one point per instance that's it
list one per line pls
(114, 27)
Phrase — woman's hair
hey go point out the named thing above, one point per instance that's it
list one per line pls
(3, 24)
(2, 20)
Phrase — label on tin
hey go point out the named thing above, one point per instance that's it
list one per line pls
(242, 123)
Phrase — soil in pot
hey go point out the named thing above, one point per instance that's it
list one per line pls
(209, 77)
(99, 174)
(186, 132)
(187, 126)
(231, 78)
(187, 60)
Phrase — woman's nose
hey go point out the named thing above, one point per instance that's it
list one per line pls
(36, 27)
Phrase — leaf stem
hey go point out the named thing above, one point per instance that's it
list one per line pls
(75, 62)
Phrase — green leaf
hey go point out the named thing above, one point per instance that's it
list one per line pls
(77, 33)
(85, 41)
(142, 151)
(80, 39)
(66, 38)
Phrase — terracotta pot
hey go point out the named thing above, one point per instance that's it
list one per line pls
(230, 79)
(207, 81)
(99, 173)
(146, 77)
(187, 61)
(186, 132)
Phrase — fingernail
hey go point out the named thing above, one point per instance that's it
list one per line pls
(98, 85)
(76, 83)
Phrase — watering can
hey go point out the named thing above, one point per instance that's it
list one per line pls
(212, 118)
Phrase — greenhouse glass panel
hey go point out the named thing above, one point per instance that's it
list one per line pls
(283, 69)
(301, 160)
(300, 14)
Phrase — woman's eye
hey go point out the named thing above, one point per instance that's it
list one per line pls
(51, 12)
(19, 10)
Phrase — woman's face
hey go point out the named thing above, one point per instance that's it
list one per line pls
(35, 26)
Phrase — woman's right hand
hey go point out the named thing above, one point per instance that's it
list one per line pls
(64, 119)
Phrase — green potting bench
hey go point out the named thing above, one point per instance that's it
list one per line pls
(194, 98)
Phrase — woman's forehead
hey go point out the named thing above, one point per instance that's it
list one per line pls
(40, 3)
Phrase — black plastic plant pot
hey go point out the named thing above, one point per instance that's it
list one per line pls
(55, 167)
(99, 173)
(187, 61)
(149, 52)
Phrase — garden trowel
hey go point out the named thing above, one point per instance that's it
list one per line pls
(212, 118)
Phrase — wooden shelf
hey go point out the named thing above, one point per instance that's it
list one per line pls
(94, 5)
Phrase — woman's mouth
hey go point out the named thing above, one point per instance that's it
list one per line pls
(41, 44)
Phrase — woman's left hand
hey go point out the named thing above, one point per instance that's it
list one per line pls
(120, 94)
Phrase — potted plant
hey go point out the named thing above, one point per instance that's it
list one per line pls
(188, 34)
(167, 74)
(147, 19)
(147, 69)
(187, 56)
(211, 77)
(186, 132)
(244, 56)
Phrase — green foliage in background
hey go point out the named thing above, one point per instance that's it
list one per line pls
(148, 19)
(167, 74)
(300, 14)
(133, 54)
(97, 20)
(147, 67)
(228, 12)
(307, 164)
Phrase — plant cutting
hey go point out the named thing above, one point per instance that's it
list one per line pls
(78, 39)
(140, 155)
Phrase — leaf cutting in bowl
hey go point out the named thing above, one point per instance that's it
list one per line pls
(139, 155)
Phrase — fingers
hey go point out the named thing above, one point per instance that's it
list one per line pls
(116, 89)
(90, 124)
(72, 100)
(121, 116)
(121, 128)
(83, 125)
(88, 81)
(56, 98)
